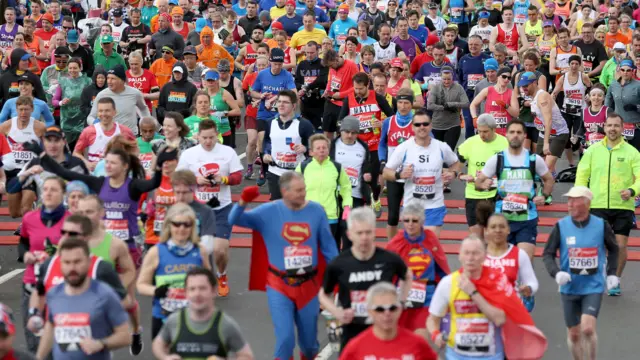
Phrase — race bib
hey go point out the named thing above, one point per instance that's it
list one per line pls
(175, 300)
(354, 176)
(587, 66)
(309, 79)
(118, 228)
(629, 130)
(286, 160)
(457, 12)
(515, 203)
(298, 258)
(159, 219)
(520, 19)
(501, 121)
(417, 294)
(473, 80)
(341, 39)
(145, 160)
(593, 138)
(335, 84)
(583, 261)
(20, 156)
(359, 303)
(424, 186)
(205, 193)
(70, 329)
(474, 336)
(539, 124)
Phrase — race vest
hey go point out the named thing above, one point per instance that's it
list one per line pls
(282, 144)
(471, 333)
(192, 345)
(592, 123)
(516, 188)
(352, 158)
(16, 137)
(163, 198)
(96, 149)
(370, 116)
(54, 275)
(508, 263)
(510, 38)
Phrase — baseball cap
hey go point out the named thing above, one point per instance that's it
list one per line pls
(117, 13)
(190, 50)
(491, 64)
(547, 23)
(178, 68)
(25, 78)
(527, 78)
(48, 17)
(212, 75)
(177, 11)
(344, 8)
(277, 55)
(433, 5)
(223, 34)
(54, 131)
(291, 2)
(484, 15)
(7, 324)
(432, 39)
(396, 63)
(25, 57)
(619, 46)
(61, 51)
(72, 36)
(105, 39)
(276, 25)
(550, 5)
(173, 2)
(579, 191)
(627, 63)
(350, 123)
(200, 24)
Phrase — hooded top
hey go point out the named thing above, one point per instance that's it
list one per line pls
(210, 55)
(9, 80)
(177, 95)
(90, 92)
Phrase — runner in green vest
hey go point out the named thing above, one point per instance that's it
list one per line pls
(148, 132)
(476, 150)
(203, 112)
(67, 97)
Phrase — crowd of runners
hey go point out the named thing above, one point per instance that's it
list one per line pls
(118, 144)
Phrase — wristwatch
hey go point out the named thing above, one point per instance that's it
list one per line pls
(398, 175)
(473, 293)
(33, 312)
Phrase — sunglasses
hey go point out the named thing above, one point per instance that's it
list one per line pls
(70, 233)
(412, 221)
(68, 27)
(384, 308)
(421, 124)
(167, 52)
(505, 77)
(626, 70)
(185, 224)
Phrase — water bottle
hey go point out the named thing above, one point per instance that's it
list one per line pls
(38, 324)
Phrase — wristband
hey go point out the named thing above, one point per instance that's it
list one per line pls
(225, 180)
(633, 192)
(34, 312)
(398, 175)
(434, 335)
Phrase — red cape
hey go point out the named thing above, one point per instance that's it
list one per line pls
(401, 246)
(522, 339)
(259, 267)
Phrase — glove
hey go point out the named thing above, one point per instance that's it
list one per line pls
(563, 278)
(345, 212)
(383, 164)
(631, 107)
(161, 291)
(612, 282)
(167, 154)
(33, 146)
(250, 193)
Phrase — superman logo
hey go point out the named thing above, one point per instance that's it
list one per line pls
(296, 233)
(418, 260)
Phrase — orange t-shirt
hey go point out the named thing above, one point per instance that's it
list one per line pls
(158, 202)
(612, 39)
(162, 70)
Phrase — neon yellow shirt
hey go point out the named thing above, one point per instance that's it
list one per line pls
(477, 152)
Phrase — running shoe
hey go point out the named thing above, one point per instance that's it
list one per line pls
(548, 200)
(261, 180)
(136, 345)
(615, 291)
(223, 285)
(529, 302)
(18, 230)
(257, 161)
(447, 189)
(377, 207)
(248, 175)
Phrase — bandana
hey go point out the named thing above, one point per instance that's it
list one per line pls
(178, 250)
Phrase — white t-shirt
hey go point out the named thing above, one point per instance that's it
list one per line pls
(351, 157)
(221, 160)
(489, 169)
(426, 183)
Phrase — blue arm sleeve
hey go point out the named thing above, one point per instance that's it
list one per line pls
(249, 219)
(4, 114)
(266, 142)
(327, 242)
(382, 147)
(48, 116)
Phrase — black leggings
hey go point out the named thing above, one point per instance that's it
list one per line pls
(573, 123)
(156, 326)
(450, 136)
(341, 231)
(274, 186)
(395, 192)
(375, 173)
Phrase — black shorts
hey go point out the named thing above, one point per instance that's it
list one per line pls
(470, 210)
(262, 124)
(532, 133)
(556, 144)
(576, 305)
(330, 117)
(621, 221)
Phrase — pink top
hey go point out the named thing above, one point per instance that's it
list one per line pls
(37, 232)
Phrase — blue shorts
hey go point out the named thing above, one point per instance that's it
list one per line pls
(435, 217)
(523, 231)
(223, 228)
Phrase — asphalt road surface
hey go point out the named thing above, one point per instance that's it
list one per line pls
(617, 323)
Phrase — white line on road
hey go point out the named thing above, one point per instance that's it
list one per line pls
(242, 156)
(326, 353)
(10, 275)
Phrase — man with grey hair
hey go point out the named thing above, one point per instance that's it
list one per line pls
(354, 271)
(148, 131)
(385, 338)
(475, 151)
(583, 240)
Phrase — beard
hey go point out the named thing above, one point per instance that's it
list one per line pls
(515, 143)
(76, 281)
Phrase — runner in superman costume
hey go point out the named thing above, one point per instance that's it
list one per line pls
(292, 242)
(422, 252)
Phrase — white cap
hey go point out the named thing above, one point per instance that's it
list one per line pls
(579, 191)
(619, 46)
(178, 69)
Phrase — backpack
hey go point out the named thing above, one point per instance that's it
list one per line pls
(500, 167)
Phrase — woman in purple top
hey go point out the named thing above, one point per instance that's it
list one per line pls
(118, 190)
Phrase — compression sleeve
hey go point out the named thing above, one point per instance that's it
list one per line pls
(235, 178)
(382, 146)
(613, 251)
(94, 183)
(526, 275)
(384, 105)
(550, 250)
(137, 187)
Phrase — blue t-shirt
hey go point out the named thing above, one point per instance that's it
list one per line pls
(93, 314)
(238, 10)
(339, 30)
(40, 111)
(290, 25)
(321, 15)
(267, 4)
(421, 33)
(266, 82)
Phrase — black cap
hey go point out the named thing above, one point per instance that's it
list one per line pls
(61, 51)
(117, 12)
(118, 71)
(54, 131)
(190, 50)
(504, 70)
(277, 55)
(25, 78)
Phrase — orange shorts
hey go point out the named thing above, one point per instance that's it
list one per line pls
(412, 319)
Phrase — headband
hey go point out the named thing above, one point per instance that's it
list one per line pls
(405, 97)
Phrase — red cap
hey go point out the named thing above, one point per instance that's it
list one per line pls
(291, 2)
(47, 16)
(166, 16)
(432, 39)
(396, 63)
(277, 25)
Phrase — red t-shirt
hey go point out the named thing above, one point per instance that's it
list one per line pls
(88, 136)
(406, 345)
(420, 60)
(341, 80)
(248, 81)
(144, 83)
